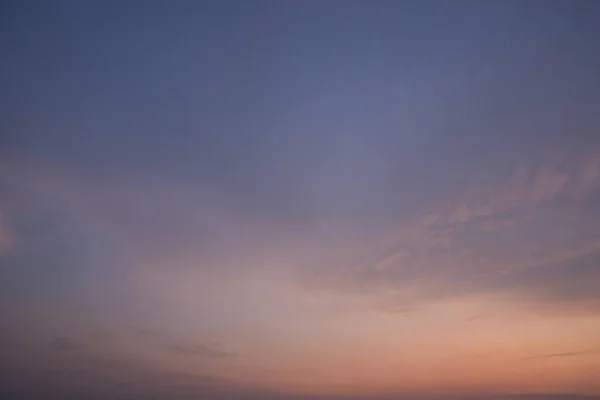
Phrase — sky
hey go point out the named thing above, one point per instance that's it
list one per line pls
(300, 200)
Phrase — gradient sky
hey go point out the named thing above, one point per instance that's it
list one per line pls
(299, 199)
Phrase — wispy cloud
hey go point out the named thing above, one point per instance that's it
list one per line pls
(64, 344)
(150, 333)
(536, 220)
(557, 355)
(193, 349)
(177, 345)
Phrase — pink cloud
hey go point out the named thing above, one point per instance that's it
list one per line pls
(588, 177)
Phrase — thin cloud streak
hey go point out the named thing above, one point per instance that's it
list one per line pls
(556, 355)
(176, 345)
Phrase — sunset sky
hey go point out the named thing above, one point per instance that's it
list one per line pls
(299, 199)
